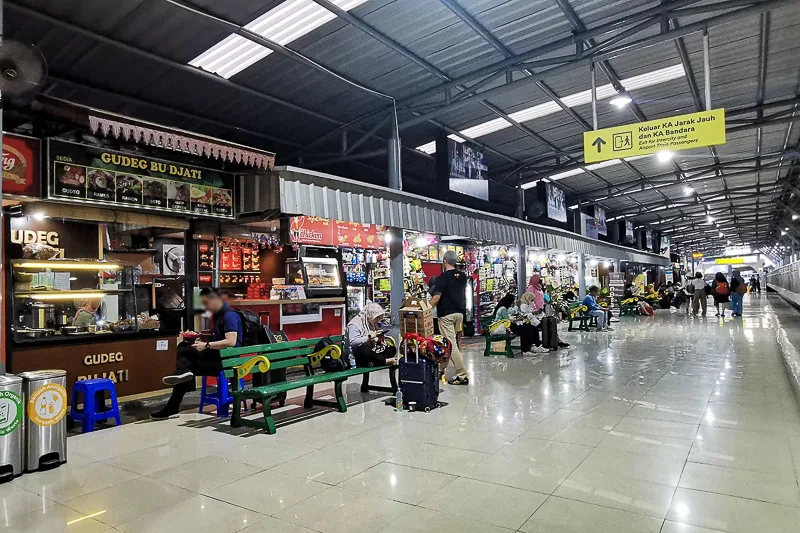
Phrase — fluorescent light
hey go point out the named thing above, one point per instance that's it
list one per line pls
(664, 156)
(69, 265)
(620, 101)
(573, 100)
(710, 219)
(283, 24)
(39, 216)
(783, 232)
(795, 217)
(66, 295)
(565, 174)
(687, 190)
(786, 229)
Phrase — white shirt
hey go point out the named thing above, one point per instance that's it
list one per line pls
(699, 284)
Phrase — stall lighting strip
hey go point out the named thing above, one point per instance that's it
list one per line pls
(283, 24)
(70, 295)
(573, 100)
(63, 265)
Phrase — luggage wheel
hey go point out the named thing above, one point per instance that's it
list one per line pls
(427, 409)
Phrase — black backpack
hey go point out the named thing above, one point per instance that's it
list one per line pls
(251, 328)
(328, 363)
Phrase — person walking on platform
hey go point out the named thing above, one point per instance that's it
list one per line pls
(450, 300)
(738, 288)
(721, 291)
(700, 298)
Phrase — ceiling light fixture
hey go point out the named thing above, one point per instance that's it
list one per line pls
(688, 190)
(710, 219)
(573, 100)
(664, 156)
(620, 101)
(283, 24)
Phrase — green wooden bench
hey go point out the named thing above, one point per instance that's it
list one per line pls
(577, 314)
(240, 362)
(505, 338)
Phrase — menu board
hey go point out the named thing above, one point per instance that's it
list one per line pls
(326, 232)
(95, 175)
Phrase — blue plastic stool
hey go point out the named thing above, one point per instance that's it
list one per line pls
(93, 410)
(222, 399)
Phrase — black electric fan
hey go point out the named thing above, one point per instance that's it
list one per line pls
(23, 70)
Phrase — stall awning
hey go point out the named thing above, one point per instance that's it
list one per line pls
(297, 191)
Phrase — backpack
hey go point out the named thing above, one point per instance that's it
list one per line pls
(328, 363)
(251, 328)
(722, 288)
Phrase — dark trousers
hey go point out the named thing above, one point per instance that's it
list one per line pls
(366, 355)
(205, 363)
(528, 335)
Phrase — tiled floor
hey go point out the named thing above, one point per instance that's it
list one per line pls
(668, 424)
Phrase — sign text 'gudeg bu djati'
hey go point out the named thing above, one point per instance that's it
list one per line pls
(93, 174)
(683, 132)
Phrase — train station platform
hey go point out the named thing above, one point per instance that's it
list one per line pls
(667, 424)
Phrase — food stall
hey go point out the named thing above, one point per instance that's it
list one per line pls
(96, 270)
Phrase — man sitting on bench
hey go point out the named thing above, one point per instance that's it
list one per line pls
(200, 358)
(362, 336)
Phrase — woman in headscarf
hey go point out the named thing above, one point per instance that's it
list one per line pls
(535, 288)
(362, 337)
(721, 292)
(738, 288)
(521, 323)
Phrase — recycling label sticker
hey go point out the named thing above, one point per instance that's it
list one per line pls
(47, 405)
(10, 412)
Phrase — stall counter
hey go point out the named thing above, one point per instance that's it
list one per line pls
(326, 318)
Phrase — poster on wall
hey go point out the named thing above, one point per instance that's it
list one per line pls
(629, 231)
(648, 236)
(21, 165)
(556, 203)
(469, 170)
(600, 220)
(92, 174)
(665, 248)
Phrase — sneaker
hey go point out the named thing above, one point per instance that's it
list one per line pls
(174, 379)
(163, 414)
(459, 381)
(608, 328)
(539, 349)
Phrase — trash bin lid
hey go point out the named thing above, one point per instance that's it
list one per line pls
(9, 379)
(36, 375)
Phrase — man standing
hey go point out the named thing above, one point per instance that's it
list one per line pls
(450, 299)
(202, 358)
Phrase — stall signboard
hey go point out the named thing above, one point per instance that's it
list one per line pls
(616, 284)
(325, 232)
(600, 220)
(21, 165)
(468, 170)
(92, 174)
(556, 203)
(705, 128)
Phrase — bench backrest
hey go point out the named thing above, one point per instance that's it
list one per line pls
(280, 354)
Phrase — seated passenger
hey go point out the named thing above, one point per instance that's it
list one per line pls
(362, 337)
(201, 358)
(594, 309)
(521, 323)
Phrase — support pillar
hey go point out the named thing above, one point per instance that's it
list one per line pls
(582, 275)
(522, 275)
(395, 173)
(397, 293)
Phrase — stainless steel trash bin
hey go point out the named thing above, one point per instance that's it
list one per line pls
(46, 425)
(12, 427)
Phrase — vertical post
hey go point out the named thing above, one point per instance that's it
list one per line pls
(593, 72)
(344, 141)
(395, 174)
(2, 224)
(520, 202)
(707, 68)
(522, 275)
(396, 293)
(582, 274)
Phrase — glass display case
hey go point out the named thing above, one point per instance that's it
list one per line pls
(321, 276)
(59, 298)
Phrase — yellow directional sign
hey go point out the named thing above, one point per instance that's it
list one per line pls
(683, 132)
(729, 260)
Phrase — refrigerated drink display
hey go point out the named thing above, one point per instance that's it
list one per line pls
(356, 300)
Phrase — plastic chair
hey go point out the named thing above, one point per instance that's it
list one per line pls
(223, 397)
(94, 403)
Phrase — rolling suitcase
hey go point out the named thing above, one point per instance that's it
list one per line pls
(419, 379)
(550, 332)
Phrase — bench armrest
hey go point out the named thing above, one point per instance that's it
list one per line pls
(332, 349)
(245, 369)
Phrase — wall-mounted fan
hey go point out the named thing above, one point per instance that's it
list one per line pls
(23, 70)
